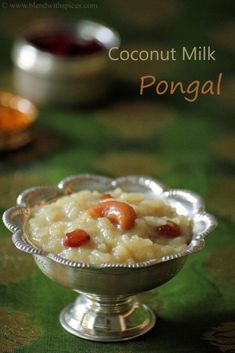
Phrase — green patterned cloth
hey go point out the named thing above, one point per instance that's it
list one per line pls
(183, 145)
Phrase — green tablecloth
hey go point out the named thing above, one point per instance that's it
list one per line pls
(184, 145)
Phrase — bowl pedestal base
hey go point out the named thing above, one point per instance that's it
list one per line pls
(107, 319)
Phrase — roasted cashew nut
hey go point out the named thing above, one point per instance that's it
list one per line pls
(116, 212)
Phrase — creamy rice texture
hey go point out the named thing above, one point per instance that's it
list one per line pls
(108, 243)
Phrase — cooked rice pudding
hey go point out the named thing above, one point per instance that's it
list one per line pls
(115, 227)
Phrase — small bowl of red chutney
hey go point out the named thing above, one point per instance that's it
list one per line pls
(64, 62)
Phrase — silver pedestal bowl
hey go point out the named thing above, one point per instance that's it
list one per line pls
(106, 308)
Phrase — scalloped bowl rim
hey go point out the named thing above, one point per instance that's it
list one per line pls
(197, 243)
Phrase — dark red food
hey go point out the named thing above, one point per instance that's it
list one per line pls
(170, 230)
(105, 196)
(76, 238)
(65, 44)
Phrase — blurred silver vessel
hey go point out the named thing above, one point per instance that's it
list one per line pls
(46, 78)
(19, 121)
(107, 309)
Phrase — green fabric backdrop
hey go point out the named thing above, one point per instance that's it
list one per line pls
(184, 145)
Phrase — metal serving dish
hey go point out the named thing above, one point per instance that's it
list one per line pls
(46, 78)
(20, 133)
(106, 309)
